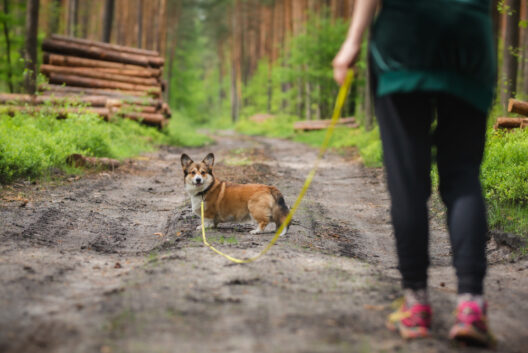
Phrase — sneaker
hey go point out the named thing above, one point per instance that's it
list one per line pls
(412, 321)
(471, 325)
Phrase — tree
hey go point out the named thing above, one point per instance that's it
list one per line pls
(508, 81)
(8, 47)
(108, 18)
(73, 17)
(30, 57)
(139, 22)
(53, 17)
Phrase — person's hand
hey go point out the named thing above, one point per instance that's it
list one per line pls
(345, 58)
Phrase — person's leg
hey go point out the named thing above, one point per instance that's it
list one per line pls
(460, 138)
(404, 121)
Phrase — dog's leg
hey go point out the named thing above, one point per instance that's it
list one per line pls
(208, 223)
(260, 228)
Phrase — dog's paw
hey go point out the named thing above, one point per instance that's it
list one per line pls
(199, 227)
(255, 231)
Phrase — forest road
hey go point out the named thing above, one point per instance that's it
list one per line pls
(112, 262)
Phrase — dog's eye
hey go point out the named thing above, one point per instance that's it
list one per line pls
(193, 172)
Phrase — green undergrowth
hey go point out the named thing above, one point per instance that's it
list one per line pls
(367, 142)
(279, 126)
(181, 132)
(504, 178)
(37, 145)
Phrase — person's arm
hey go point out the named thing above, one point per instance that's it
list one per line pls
(348, 54)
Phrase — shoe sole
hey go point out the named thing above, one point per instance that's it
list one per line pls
(407, 333)
(471, 337)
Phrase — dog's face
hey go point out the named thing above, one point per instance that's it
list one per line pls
(197, 176)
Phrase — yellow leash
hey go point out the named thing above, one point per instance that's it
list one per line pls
(343, 92)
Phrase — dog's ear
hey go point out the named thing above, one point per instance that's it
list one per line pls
(186, 161)
(209, 160)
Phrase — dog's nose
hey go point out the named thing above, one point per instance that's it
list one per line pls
(198, 180)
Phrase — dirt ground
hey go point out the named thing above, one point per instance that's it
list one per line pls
(111, 262)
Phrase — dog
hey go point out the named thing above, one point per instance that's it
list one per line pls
(227, 202)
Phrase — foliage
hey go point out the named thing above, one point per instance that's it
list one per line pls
(367, 142)
(12, 22)
(31, 146)
(181, 132)
(195, 83)
(279, 126)
(282, 87)
(505, 167)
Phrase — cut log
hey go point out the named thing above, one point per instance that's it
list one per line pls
(311, 125)
(67, 60)
(51, 89)
(121, 48)
(95, 73)
(79, 81)
(165, 109)
(138, 109)
(95, 52)
(149, 119)
(78, 160)
(519, 107)
(510, 123)
(155, 73)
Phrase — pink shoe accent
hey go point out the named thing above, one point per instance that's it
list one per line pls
(471, 325)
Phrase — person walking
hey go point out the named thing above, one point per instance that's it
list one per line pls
(428, 59)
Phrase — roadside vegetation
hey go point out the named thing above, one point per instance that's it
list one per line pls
(37, 145)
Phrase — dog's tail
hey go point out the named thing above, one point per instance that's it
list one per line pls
(280, 210)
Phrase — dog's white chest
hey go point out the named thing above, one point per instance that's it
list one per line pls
(196, 202)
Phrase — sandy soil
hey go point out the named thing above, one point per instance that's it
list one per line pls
(111, 262)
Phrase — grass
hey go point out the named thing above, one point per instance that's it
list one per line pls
(35, 145)
(368, 143)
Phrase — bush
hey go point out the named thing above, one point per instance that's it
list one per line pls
(367, 142)
(505, 167)
(279, 126)
(31, 145)
(181, 132)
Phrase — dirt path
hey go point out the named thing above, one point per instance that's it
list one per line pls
(83, 270)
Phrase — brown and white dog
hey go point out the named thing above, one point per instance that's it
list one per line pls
(225, 202)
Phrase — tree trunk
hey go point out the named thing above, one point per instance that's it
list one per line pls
(525, 57)
(54, 17)
(508, 82)
(30, 55)
(8, 48)
(234, 71)
(369, 109)
(139, 22)
(108, 18)
(73, 17)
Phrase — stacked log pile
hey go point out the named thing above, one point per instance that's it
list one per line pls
(150, 111)
(514, 106)
(110, 80)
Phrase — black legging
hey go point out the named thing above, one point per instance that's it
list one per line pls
(405, 126)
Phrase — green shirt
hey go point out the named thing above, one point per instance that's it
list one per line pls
(435, 45)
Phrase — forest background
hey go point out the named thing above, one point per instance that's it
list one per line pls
(229, 60)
